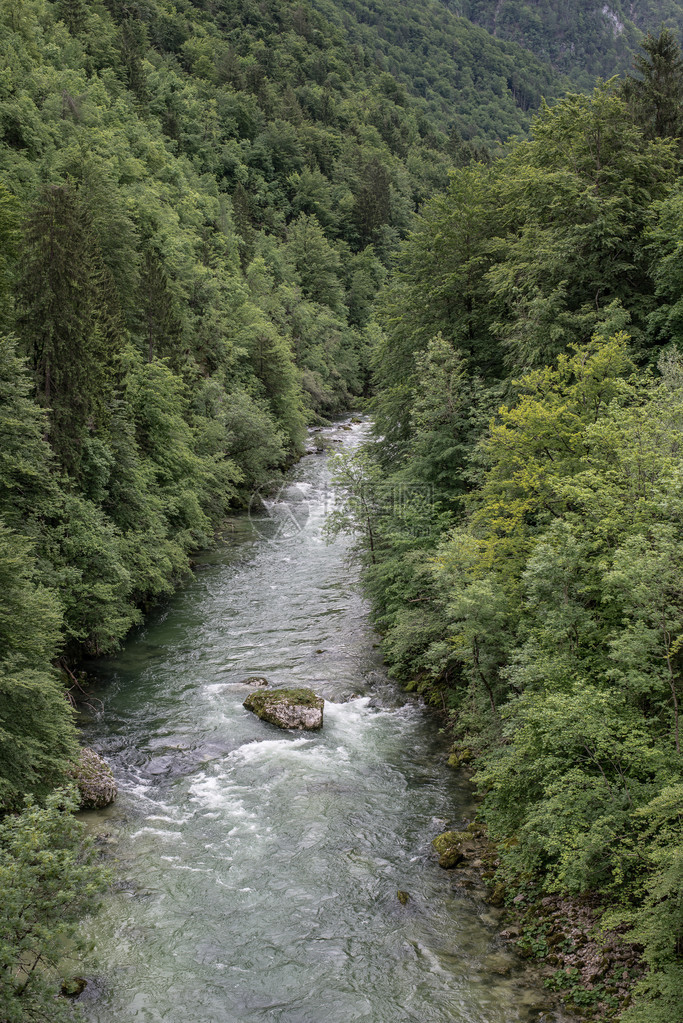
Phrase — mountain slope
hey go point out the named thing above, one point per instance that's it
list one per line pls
(581, 38)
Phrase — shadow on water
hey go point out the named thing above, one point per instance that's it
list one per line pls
(258, 870)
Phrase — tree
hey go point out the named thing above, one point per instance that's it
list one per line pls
(373, 206)
(37, 737)
(74, 14)
(448, 416)
(50, 880)
(577, 198)
(656, 95)
(317, 264)
(160, 321)
(9, 238)
(27, 484)
(360, 501)
(134, 45)
(65, 318)
(438, 287)
(657, 923)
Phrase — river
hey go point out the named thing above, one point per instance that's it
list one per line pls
(257, 870)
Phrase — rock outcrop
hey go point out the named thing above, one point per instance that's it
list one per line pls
(95, 781)
(288, 708)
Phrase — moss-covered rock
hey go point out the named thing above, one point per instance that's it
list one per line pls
(448, 839)
(453, 848)
(460, 757)
(95, 781)
(497, 895)
(288, 708)
(451, 858)
(74, 987)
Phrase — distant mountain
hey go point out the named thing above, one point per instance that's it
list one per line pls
(581, 38)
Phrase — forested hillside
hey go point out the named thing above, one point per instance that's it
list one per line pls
(582, 38)
(527, 577)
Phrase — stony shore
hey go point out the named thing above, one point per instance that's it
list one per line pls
(587, 970)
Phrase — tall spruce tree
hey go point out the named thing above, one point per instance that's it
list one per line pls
(64, 318)
(656, 94)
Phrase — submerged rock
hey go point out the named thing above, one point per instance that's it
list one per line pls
(403, 897)
(288, 708)
(254, 680)
(499, 964)
(95, 780)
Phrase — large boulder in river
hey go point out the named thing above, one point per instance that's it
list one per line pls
(288, 708)
(95, 780)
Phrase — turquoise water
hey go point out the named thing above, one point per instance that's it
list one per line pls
(258, 869)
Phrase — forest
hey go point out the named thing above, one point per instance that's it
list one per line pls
(529, 397)
(220, 223)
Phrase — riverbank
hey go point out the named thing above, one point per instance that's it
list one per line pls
(587, 969)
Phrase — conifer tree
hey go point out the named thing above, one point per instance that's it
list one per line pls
(656, 95)
(63, 320)
(9, 237)
(74, 14)
(161, 325)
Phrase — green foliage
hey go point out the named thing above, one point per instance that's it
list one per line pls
(50, 880)
(63, 319)
(9, 236)
(196, 211)
(657, 923)
(559, 596)
(519, 260)
(36, 731)
(656, 95)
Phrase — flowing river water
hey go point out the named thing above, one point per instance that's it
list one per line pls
(257, 870)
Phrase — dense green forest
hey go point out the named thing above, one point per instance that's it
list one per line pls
(519, 512)
(198, 207)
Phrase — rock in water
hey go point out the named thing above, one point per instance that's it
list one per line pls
(74, 987)
(288, 708)
(254, 680)
(453, 848)
(95, 781)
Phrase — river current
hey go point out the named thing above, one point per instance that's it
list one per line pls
(257, 870)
